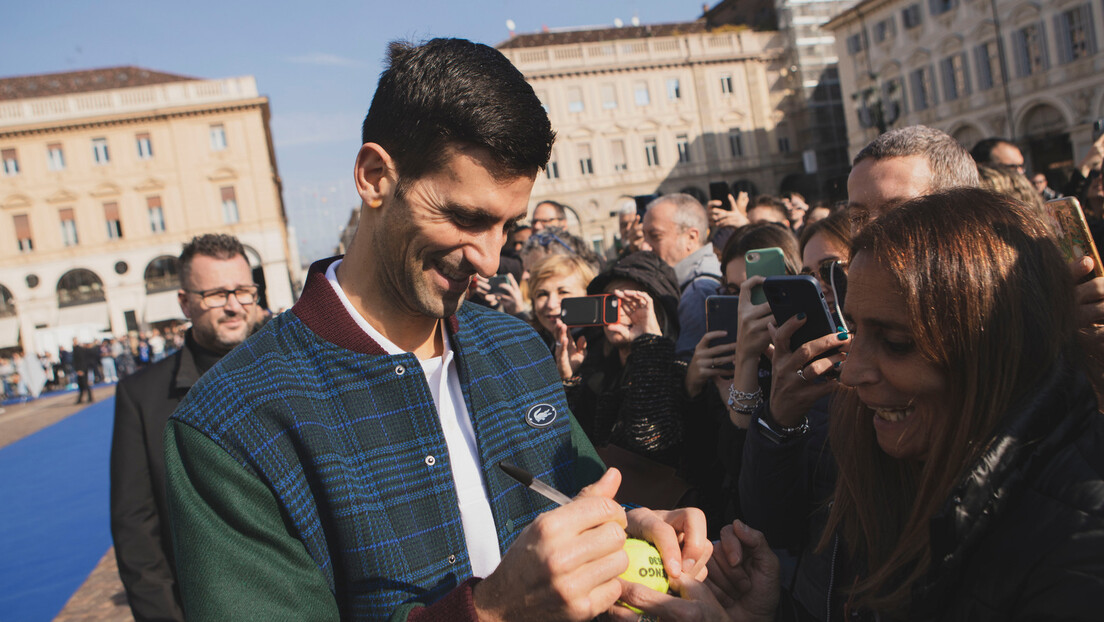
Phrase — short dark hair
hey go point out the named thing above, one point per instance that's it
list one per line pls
(772, 203)
(951, 165)
(216, 245)
(983, 150)
(453, 91)
(561, 212)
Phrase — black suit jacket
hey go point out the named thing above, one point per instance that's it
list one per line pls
(139, 510)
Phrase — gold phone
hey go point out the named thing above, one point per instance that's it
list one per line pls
(1072, 232)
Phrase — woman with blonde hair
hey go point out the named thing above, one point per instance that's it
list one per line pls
(550, 281)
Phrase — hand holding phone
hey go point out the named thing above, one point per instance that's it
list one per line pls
(599, 310)
(791, 295)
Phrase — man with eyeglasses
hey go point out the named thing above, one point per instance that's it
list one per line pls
(999, 152)
(218, 295)
(549, 214)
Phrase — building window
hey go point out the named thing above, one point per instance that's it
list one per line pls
(641, 95)
(856, 43)
(956, 78)
(78, 287)
(68, 226)
(735, 142)
(783, 144)
(984, 55)
(885, 29)
(674, 93)
(145, 148)
(609, 97)
(939, 7)
(911, 16)
(229, 205)
(726, 84)
(893, 93)
(156, 214)
(923, 89)
(651, 151)
(586, 164)
(575, 99)
(218, 137)
(55, 157)
(162, 274)
(23, 232)
(11, 162)
(1074, 29)
(114, 224)
(1029, 45)
(682, 141)
(99, 151)
(552, 170)
(620, 162)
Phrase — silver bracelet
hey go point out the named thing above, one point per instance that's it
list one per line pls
(738, 400)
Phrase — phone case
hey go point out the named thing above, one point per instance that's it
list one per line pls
(764, 262)
(1072, 232)
(789, 295)
(596, 310)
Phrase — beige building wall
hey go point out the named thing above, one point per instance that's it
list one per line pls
(729, 80)
(184, 167)
(1049, 111)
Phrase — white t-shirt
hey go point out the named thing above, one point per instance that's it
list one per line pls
(471, 491)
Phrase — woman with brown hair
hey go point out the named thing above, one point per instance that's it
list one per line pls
(969, 447)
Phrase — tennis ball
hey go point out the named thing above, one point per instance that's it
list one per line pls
(645, 567)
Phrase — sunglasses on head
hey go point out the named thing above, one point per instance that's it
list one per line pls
(544, 238)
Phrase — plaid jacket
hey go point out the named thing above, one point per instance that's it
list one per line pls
(349, 442)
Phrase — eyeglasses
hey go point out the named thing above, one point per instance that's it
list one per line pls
(215, 298)
(544, 238)
(823, 270)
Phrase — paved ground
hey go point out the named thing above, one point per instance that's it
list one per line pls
(101, 597)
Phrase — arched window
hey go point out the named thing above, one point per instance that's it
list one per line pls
(78, 287)
(162, 274)
(7, 303)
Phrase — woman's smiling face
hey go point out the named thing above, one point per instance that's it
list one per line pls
(906, 391)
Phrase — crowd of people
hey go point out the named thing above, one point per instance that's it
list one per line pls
(87, 362)
(939, 455)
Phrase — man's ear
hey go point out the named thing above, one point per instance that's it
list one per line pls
(182, 299)
(375, 174)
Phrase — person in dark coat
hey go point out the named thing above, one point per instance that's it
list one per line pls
(84, 364)
(218, 294)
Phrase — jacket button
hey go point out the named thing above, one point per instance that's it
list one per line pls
(400, 370)
(452, 559)
(430, 461)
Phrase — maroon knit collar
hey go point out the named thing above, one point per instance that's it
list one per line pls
(321, 310)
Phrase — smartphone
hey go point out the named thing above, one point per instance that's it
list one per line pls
(837, 279)
(498, 283)
(790, 295)
(718, 191)
(1098, 129)
(722, 313)
(764, 262)
(1072, 233)
(642, 201)
(597, 310)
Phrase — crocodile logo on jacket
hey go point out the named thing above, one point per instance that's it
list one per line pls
(540, 416)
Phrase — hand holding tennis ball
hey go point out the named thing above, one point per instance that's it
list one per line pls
(645, 567)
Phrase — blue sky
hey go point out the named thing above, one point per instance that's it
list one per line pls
(317, 62)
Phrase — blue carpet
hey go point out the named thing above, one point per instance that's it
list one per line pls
(53, 513)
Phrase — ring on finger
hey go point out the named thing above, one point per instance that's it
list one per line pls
(801, 374)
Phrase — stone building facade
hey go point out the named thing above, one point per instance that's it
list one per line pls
(1032, 72)
(106, 174)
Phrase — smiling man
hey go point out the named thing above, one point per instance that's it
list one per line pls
(218, 295)
(342, 464)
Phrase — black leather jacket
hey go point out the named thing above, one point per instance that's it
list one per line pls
(1022, 535)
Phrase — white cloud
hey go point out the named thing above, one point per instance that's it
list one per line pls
(326, 60)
